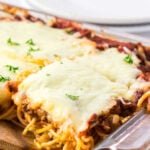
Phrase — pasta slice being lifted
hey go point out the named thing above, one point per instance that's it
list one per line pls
(71, 104)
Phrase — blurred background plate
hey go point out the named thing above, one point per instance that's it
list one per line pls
(131, 16)
(97, 11)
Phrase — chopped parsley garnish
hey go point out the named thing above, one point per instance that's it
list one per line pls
(55, 55)
(40, 67)
(12, 68)
(30, 42)
(72, 97)
(69, 31)
(48, 74)
(31, 49)
(4, 79)
(128, 59)
(12, 43)
(61, 62)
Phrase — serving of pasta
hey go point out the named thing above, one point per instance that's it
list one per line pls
(67, 86)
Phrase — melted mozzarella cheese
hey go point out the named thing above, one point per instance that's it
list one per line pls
(75, 90)
(12, 74)
(49, 42)
(111, 64)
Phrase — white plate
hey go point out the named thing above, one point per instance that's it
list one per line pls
(97, 11)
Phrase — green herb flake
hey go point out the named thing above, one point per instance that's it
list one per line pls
(72, 97)
(128, 59)
(69, 31)
(61, 62)
(40, 67)
(48, 74)
(12, 43)
(4, 79)
(31, 49)
(30, 42)
(55, 55)
(12, 68)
